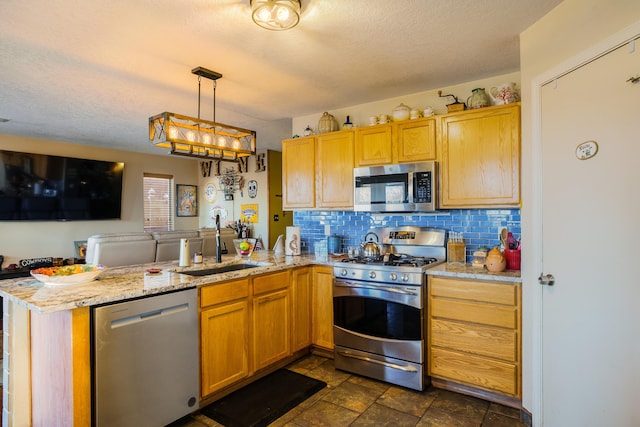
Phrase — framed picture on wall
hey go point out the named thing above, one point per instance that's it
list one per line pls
(186, 200)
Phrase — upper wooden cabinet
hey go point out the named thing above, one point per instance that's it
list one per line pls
(334, 170)
(373, 145)
(402, 142)
(317, 171)
(298, 173)
(480, 158)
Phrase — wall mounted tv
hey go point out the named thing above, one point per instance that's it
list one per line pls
(39, 187)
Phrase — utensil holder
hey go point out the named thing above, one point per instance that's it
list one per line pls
(457, 253)
(513, 258)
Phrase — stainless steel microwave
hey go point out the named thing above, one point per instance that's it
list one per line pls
(406, 187)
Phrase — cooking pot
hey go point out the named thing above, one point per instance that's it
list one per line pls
(370, 248)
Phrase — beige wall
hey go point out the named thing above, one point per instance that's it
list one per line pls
(19, 240)
(559, 38)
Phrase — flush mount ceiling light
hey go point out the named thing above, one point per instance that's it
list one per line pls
(275, 15)
(195, 137)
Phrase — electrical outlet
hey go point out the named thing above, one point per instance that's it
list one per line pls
(327, 230)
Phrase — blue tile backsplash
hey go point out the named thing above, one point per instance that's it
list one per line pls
(479, 227)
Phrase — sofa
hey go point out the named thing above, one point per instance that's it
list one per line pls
(119, 249)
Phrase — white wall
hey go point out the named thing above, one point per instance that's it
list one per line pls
(30, 239)
(568, 30)
(360, 114)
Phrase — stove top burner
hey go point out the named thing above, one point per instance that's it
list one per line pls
(395, 260)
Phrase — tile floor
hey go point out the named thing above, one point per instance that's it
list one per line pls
(351, 400)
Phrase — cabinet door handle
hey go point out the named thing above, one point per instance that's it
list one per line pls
(546, 279)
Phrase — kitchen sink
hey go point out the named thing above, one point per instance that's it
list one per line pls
(218, 270)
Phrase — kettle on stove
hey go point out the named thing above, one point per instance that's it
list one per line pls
(370, 248)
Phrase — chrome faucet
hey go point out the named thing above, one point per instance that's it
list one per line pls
(218, 248)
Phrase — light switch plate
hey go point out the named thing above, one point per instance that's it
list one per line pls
(327, 230)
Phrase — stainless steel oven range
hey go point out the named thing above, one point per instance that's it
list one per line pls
(379, 306)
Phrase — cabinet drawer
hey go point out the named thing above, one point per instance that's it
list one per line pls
(505, 294)
(475, 370)
(223, 292)
(505, 317)
(470, 338)
(270, 282)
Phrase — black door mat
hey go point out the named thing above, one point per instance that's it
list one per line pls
(263, 401)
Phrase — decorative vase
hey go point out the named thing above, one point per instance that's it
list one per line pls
(478, 99)
(327, 123)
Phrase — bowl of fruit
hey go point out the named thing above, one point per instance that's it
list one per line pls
(76, 274)
(244, 247)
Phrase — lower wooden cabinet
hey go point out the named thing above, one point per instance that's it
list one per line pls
(301, 279)
(322, 307)
(271, 319)
(474, 334)
(224, 335)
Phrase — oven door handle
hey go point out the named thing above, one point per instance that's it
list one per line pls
(409, 369)
(376, 287)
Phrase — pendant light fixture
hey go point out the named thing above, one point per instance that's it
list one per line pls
(204, 139)
(276, 15)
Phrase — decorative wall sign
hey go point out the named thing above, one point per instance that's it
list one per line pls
(249, 213)
(186, 200)
(210, 192)
(261, 164)
(205, 168)
(217, 210)
(252, 188)
(243, 164)
(586, 150)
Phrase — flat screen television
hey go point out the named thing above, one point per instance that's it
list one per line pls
(40, 187)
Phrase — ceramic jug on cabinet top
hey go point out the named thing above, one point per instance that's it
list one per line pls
(478, 99)
(504, 94)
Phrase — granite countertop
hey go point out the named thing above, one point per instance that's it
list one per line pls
(121, 283)
(468, 272)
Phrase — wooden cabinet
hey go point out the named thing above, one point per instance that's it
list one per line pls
(373, 145)
(415, 140)
(402, 142)
(474, 334)
(322, 308)
(301, 279)
(317, 171)
(224, 334)
(271, 319)
(480, 157)
(298, 173)
(334, 170)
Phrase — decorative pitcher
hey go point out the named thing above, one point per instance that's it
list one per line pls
(504, 94)
(478, 99)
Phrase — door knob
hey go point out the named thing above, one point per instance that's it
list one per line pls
(546, 279)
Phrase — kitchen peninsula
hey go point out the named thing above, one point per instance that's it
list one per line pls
(47, 330)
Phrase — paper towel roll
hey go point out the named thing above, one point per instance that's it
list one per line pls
(185, 260)
(292, 241)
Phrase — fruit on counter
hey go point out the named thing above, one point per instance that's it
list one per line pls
(245, 246)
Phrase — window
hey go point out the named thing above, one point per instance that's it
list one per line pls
(158, 202)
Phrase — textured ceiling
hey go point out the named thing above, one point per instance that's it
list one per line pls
(92, 72)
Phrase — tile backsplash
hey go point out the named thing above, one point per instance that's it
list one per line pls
(480, 227)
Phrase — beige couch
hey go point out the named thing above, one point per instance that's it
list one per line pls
(118, 249)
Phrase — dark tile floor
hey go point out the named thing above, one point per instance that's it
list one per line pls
(351, 400)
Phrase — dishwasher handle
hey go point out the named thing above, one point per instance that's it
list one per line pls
(149, 315)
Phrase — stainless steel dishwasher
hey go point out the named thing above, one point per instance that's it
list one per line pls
(145, 360)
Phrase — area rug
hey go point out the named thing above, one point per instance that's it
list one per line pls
(263, 401)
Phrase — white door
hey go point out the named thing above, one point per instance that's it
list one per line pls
(591, 245)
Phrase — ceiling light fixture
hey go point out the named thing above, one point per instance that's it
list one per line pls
(275, 15)
(195, 137)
